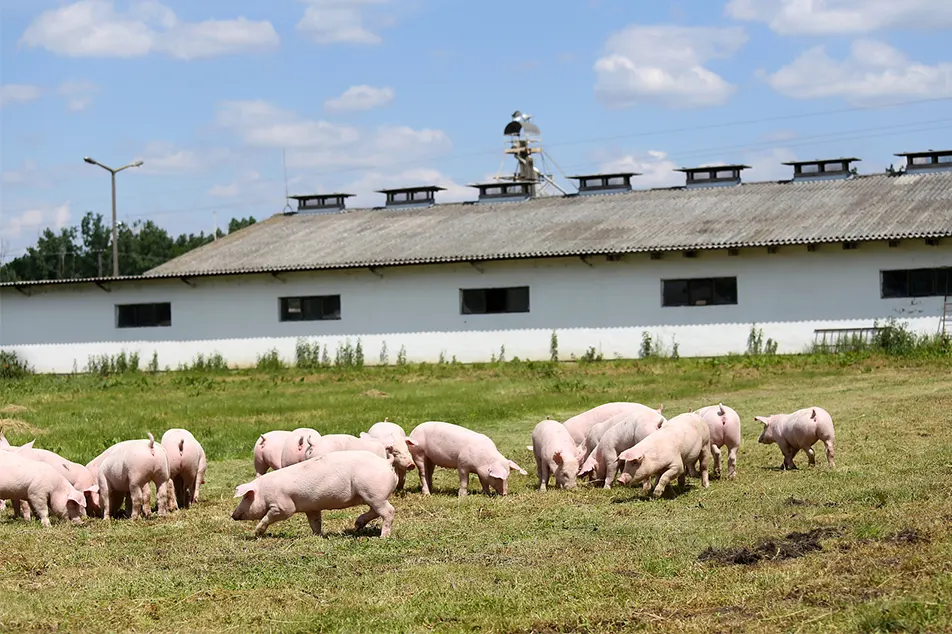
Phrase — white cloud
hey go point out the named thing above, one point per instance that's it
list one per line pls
(361, 97)
(826, 17)
(656, 169)
(338, 22)
(365, 194)
(666, 65)
(248, 185)
(873, 71)
(18, 93)
(314, 144)
(35, 220)
(165, 158)
(78, 94)
(94, 28)
(18, 177)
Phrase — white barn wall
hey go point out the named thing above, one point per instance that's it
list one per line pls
(606, 306)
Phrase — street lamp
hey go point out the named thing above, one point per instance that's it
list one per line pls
(115, 232)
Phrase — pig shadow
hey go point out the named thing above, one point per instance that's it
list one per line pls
(638, 495)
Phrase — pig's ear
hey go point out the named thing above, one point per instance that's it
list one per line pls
(244, 489)
(29, 445)
(410, 443)
(364, 434)
(261, 444)
(813, 414)
(557, 457)
(92, 488)
(661, 408)
(496, 472)
(762, 419)
(300, 441)
(77, 497)
(513, 465)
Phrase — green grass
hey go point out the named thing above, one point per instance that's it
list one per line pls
(587, 560)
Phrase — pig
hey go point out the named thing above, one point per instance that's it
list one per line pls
(185, 456)
(295, 445)
(595, 434)
(343, 442)
(336, 480)
(268, 449)
(580, 424)
(605, 461)
(40, 486)
(78, 475)
(440, 444)
(395, 440)
(799, 431)
(669, 452)
(724, 424)
(128, 467)
(555, 453)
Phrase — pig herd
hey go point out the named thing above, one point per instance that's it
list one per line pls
(301, 471)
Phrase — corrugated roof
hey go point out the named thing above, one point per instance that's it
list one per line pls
(863, 208)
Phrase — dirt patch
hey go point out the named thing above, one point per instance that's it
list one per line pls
(376, 394)
(13, 409)
(792, 501)
(908, 536)
(791, 546)
(18, 426)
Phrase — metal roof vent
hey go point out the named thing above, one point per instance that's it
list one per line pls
(605, 183)
(928, 161)
(712, 176)
(822, 169)
(505, 191)
(320, 203)
(403, 197)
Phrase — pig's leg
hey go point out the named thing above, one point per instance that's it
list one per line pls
(136, 493)
(811, 455)
(274, 514)
(666, 478)
(646, 485)
(829, 452)
(703, 463)
(716, 454)
(386, 511)
(464, 482)
(732, 462)
(162, 495)
(401, 478)
(419, 459)
(21, 508)
(788, 454)
(611, 467)
(429, 467)
(364, 518)
(41, 509)
(314, 519)
(542, 471)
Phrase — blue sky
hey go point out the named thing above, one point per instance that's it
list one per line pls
(365, 94)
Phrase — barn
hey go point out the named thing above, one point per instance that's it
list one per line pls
(823, 254)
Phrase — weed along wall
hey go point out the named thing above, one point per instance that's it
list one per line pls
(626, 308)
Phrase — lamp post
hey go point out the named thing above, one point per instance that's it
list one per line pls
(115, 232)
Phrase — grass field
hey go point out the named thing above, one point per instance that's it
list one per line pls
(874, 552)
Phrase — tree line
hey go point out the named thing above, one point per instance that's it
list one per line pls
(85, 250)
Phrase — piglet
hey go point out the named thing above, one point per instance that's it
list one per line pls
(724, 424)
(268, 449)
(799, 431)
(395, 440)
(605, 461)
(186, 473)
(440, 444)
(343, 442)
(555, 454)
(127, 468)
(336, 480)
(77, 475)
(668, 453)
(580, 424)
(296, 444)
(42, 487)
(595, 434)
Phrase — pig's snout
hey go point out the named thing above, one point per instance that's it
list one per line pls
(236, 515)
(624, 478)
(411, 467)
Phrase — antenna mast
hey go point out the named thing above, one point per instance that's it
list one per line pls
(524, 142)
(284, 163)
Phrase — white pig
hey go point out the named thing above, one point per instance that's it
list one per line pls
(268, 449)
(396, 442)
(595, 434)
(41, 486)
(78, 475)
(296, 444)
(127, 468)
(555, 454)
(440, 444)
(185, 455)
(605, 461)
(669, 453)
(337, 480)
(724, 424)
(343, 442)
(580, 424)
(799, 431)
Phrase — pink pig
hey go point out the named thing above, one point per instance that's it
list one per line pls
(634, 427)
(127, 468)
(395, 440)
(78, 475)
(336, 480)
(343, 442)
(555, 454)
(580, 424)
(186, 467)
(37, 485)
(799, 431)
(451, 446)
(268, 449)
(296, 444)
(724, 424)
(670, 452)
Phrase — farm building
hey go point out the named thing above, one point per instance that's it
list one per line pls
(823, 253)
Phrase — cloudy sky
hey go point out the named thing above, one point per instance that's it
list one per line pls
(364, 94)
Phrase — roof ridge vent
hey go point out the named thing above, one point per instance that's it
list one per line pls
(927, 161)
(822, 169)
(320, 203)
(403, 197)
(505, 191)
(712, 175)
(604, 183)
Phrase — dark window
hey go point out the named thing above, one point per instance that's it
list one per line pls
(318, 307)
(916, 283)
(143, 315)
(705, 291)
(481, 301)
